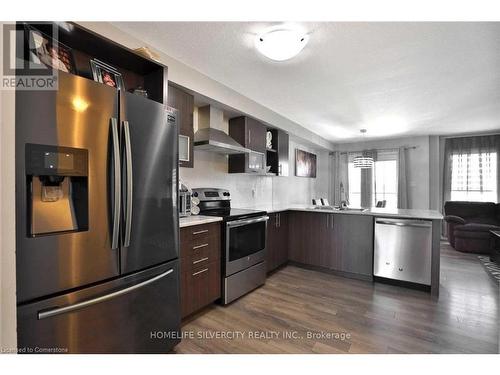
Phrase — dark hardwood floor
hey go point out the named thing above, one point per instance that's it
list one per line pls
(379, 318)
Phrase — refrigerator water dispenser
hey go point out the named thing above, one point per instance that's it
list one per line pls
(57, 181)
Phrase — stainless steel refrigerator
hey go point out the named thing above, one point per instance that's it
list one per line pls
(97, 221)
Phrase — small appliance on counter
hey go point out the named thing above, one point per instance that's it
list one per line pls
(184, 200)
(244, 242)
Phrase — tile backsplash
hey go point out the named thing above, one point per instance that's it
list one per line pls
(210, 170)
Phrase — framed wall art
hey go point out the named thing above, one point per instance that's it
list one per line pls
(305, 164)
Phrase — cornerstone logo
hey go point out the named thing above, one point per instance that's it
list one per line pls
(29, 57)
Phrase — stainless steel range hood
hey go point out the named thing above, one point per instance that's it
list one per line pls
(211, 136)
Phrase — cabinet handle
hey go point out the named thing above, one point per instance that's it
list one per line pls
(201, 231)
(333, 222)
(200, 260)
(279, 220)
(249, 136)
(200, 246)
(199, 272)
(280, 170)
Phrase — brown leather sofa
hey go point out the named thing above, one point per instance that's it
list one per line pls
(469, 225)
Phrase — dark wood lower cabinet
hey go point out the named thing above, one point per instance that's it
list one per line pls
(310, 238)
(277, 240)
(331, 241)
(337, 242)
(200, 255)
(353, 243)
(200, 287)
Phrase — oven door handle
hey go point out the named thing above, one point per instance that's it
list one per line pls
(239, 223)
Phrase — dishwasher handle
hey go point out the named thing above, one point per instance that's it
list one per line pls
(405, 223)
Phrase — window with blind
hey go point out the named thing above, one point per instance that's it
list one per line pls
(471, 168)
(474, 177)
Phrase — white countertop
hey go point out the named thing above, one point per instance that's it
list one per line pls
(383, 212)
(197, 220)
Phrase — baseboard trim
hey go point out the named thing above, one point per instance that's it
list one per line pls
(349, 275)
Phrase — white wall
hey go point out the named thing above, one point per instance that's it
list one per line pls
(210, 170)
(8, 339)
(435, 173)
(417, 164)
(300, 190)
(250, 191)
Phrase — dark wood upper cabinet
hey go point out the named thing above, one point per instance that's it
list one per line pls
(277, 240)
(251, 134)
(277, 155)
(248, 132)
(184, 103)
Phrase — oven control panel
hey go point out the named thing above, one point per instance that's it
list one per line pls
(211, 194)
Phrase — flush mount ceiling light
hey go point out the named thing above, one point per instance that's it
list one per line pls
(280, 44)
(365, 160)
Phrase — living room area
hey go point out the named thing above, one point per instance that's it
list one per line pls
(470, 198)
(457, 175)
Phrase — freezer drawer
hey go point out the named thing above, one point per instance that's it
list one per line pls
(403, 250)
(139, 313)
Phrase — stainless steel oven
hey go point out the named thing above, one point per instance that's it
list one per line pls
(245, 243)
(244, 256)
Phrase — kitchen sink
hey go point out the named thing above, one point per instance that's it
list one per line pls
(353, 209)
(330, 208)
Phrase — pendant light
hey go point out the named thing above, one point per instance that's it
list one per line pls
(365, 160)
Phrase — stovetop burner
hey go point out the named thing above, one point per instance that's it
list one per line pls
(230, 214)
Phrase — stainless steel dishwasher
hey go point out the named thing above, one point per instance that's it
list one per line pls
(403, 250)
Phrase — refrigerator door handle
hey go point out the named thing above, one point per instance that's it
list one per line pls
(117, 184)
(93, 301)
(129, 183)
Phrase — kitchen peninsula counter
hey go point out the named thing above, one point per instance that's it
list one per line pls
(382, 212)
(342, 241)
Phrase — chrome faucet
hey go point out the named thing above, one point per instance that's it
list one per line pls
(343, 203)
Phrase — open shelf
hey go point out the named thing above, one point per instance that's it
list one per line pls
(272, 159)
(137, 71)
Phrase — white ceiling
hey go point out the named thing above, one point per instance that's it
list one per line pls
(394, 79)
